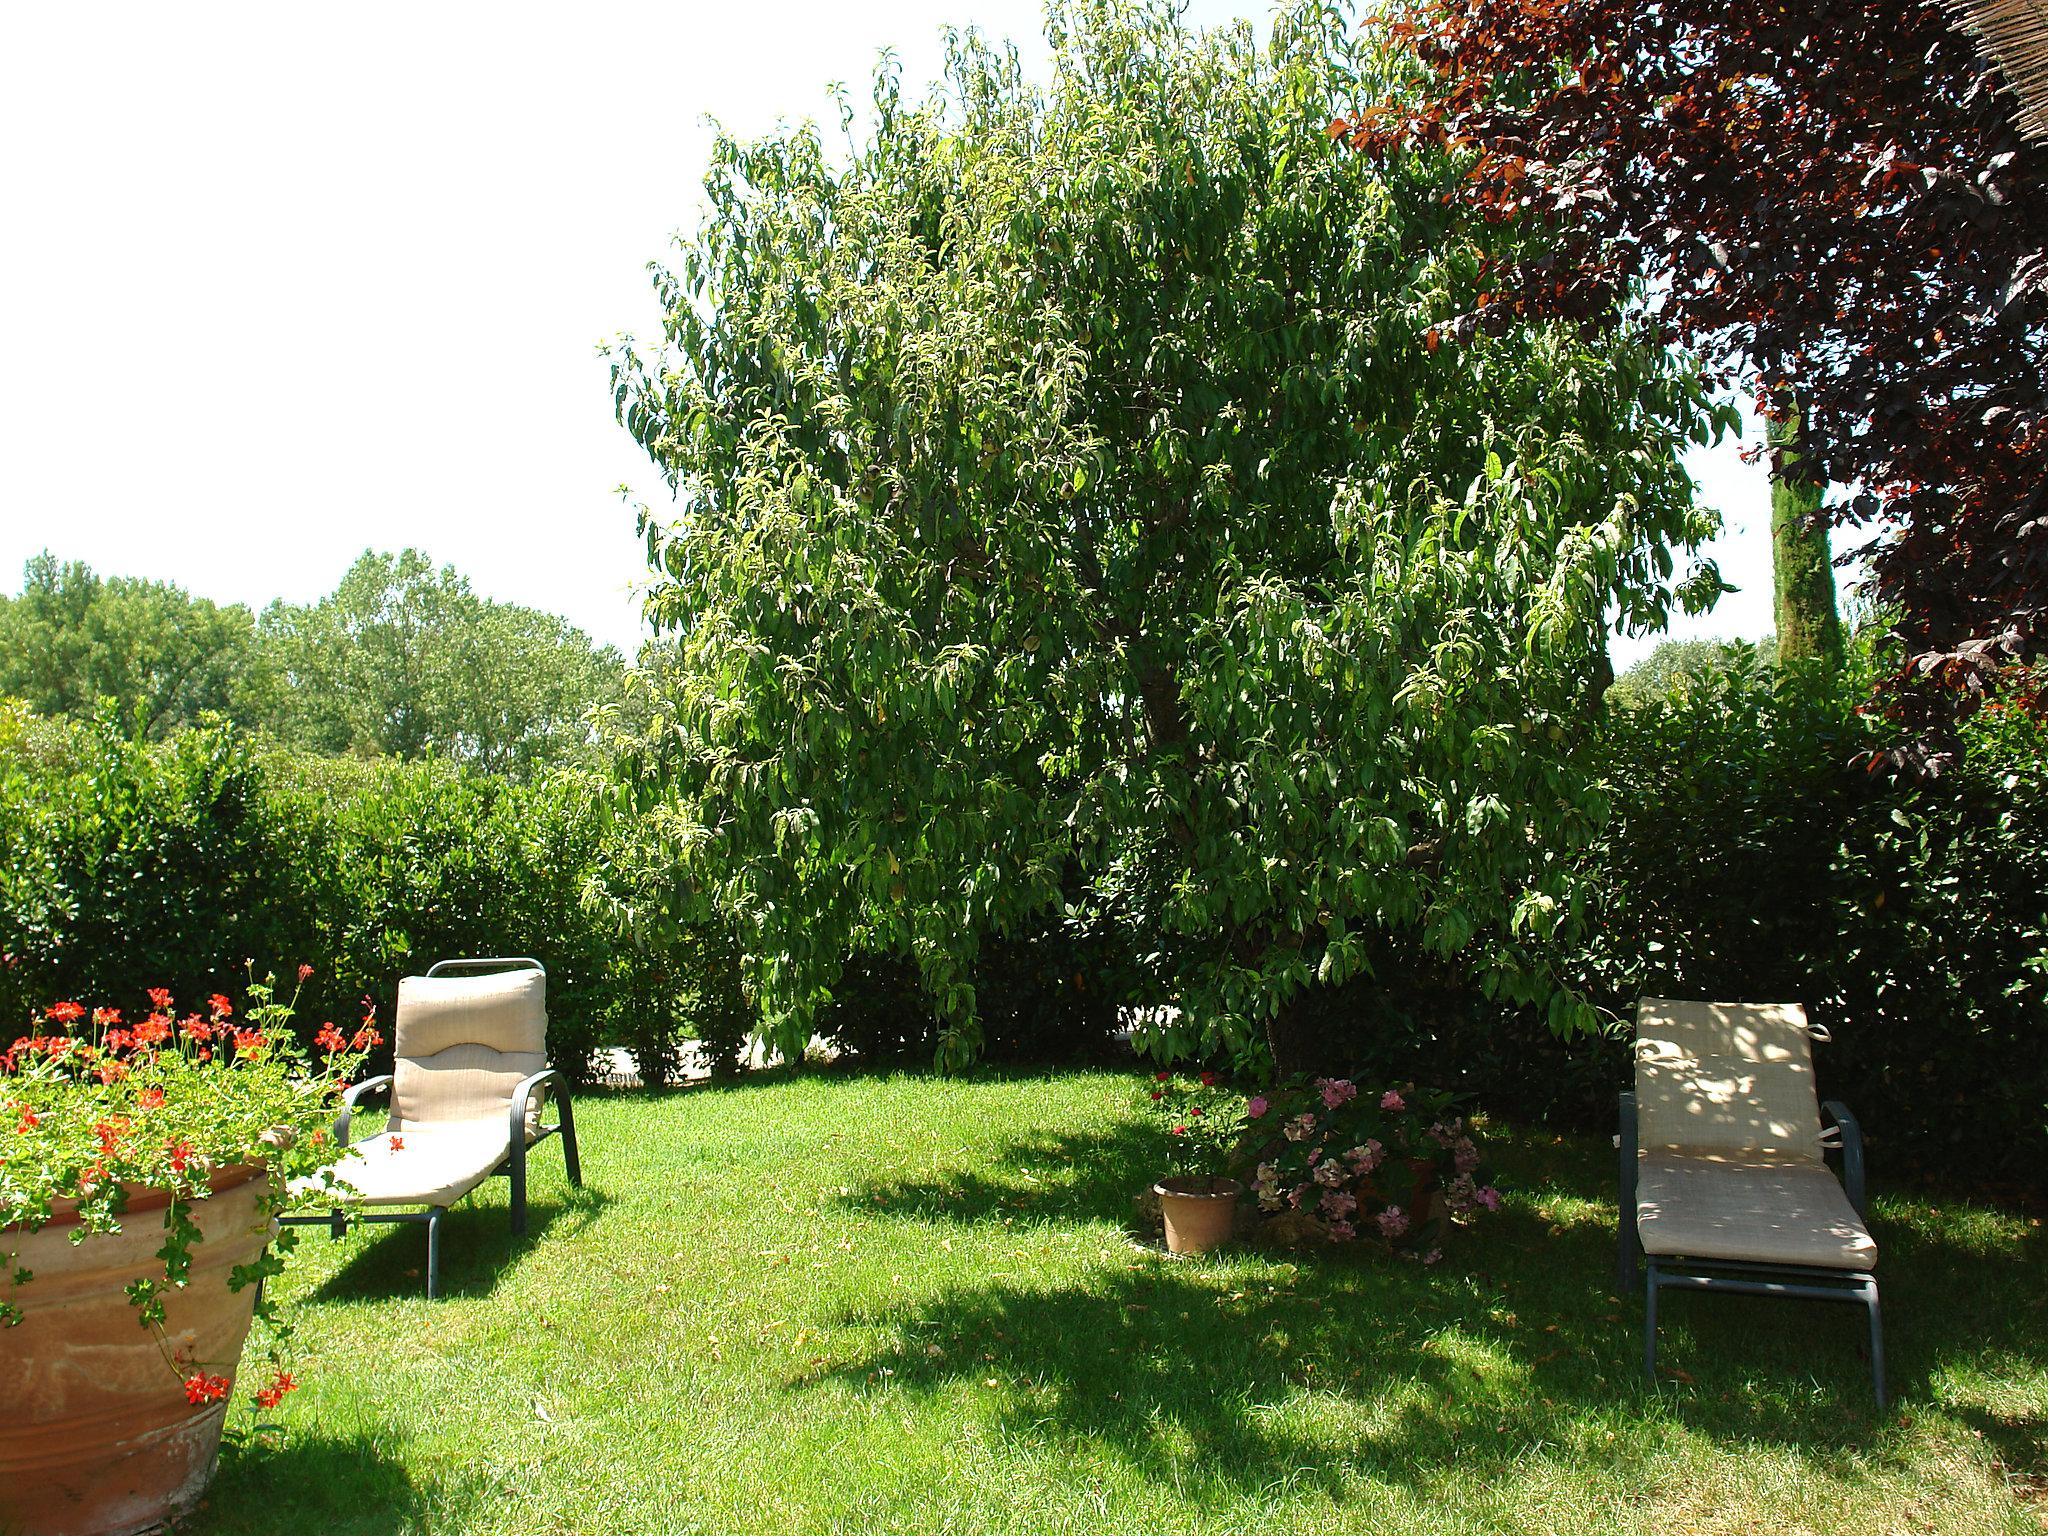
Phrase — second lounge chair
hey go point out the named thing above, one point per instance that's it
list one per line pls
(1724, 1182)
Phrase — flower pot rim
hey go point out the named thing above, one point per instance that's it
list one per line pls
(150, 1197)
(1221, 1187)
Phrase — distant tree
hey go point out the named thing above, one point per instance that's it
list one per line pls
(1673, 661)
(406, 661)
(1834, 202)
(1075, 476)
(73, 638)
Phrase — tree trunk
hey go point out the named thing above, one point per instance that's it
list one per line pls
(1289, 1038)
(1809, 625)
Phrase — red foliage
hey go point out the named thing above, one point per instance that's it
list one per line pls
(1831, 200)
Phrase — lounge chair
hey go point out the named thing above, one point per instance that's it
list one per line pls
(466, 1094)
(1724, 1180)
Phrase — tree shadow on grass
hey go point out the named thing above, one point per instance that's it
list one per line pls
(332, 1483)
(1327, 1366)
(1074, 1175)
(478, 1248)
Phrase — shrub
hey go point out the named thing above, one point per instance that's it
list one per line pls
(1397, 1165)
(1750, 855)
(1046, 993)
(125, 865)
(430, 862)
(1753, 855)
(1200, 1119)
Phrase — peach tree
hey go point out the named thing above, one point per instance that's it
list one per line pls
(1077, 483)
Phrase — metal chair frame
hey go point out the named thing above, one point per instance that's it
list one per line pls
(547, 1082)
(1677, 1272)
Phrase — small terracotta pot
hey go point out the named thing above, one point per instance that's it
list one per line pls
(1198, 1212)
(96, 1438)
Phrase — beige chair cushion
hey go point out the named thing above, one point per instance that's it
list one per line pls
(463, 1044)
(1725, 1077)
(434, 1165)
(1763, 1210)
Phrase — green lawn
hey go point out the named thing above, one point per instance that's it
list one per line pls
(868, 1304)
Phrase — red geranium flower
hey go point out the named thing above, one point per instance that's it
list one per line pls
(150, 1098)
(181, 1154)
(305, 971)
(65, 1013)
(272, 1395)
(1163, 1077)
(329, 1039)
(160, 999)
(222, 1008)
(1208, 1079)
(202, 1388)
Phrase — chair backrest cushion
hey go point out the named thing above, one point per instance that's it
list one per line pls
(1725, 1078)
(463, 1044)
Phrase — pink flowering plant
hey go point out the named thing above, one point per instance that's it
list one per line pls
(1397, 1164)
(95, 1107)
(1201, 1119)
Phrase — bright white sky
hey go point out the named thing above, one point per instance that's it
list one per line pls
(282, 282)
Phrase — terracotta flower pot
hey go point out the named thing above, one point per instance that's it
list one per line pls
(1198, 1212)
(97, 1437)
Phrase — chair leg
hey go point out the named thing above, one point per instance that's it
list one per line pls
(566, 1113)
(1650, 1323)
(434, 1255)
(1876, 1342)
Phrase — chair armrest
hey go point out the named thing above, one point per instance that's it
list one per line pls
(522, 1096)
(349, 1101)
(1852, 1151)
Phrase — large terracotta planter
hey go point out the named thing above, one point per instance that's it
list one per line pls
(1198, 1212)
(96, 1436)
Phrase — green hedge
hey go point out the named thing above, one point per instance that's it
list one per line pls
(1755, 855)
(1751, 856)
(125, 866)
